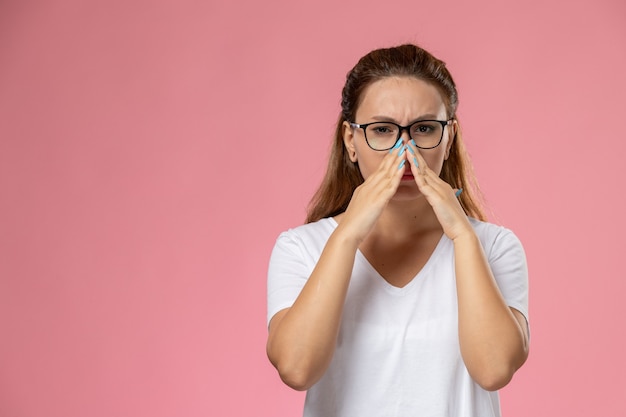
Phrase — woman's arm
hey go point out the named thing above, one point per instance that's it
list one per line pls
(302, 338)
(493, 336)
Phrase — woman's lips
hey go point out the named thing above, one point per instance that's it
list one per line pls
(408, 175)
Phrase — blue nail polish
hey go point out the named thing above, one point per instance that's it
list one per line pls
(410, 150)
(413, 143)
(402, 164)
(415, 161)
(402, 151)
(396, 146)
(458, 193)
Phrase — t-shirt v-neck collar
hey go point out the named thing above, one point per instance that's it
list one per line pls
(392, 288)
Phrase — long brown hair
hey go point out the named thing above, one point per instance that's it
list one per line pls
(343, 176)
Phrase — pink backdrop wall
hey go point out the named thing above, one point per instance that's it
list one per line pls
(151, 152)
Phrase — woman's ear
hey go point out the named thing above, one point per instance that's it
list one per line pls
(451, 137)
(348, 140)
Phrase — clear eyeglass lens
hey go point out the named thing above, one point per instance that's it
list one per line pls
(426, 134)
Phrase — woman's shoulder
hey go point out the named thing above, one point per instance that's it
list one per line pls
(315, 231)
(307, 240)
(491, 234)
(481, 226)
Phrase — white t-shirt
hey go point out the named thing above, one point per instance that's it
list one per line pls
(397, 352)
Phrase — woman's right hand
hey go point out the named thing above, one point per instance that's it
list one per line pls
(370, 198)
(302, 338)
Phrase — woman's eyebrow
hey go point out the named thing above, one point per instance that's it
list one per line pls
(427, 116)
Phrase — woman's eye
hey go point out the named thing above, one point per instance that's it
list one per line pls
(383, 130)
(424, 128)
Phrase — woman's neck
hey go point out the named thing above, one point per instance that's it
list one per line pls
(406, 219)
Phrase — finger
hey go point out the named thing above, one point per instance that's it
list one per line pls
(427, 180)
(418, 159)
(397, 153)
(420, 169)
(437, 182)
(393, 161)
(394, 166)
(383, 182)
(415, 159)
(432, 178)
(423, 171)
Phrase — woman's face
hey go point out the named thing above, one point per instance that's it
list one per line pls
(402, 100)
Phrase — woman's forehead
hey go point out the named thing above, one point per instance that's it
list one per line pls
(401, 97)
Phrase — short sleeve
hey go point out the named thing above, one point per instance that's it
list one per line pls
(287, 273)
(508, 264)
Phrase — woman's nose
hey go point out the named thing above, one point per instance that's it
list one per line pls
(404, 135)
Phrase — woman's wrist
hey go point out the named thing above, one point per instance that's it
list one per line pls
(467, 237)
(343, 237)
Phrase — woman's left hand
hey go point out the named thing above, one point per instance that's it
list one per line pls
(440, 195)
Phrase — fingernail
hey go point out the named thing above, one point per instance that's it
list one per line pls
(396, 146)
(458, 193)
(413, 143)
(402, 150)
(415, 162)
(411, 149)
(402, 164)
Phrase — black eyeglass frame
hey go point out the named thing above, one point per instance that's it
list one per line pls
(364, 126)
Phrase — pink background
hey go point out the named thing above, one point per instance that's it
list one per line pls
(151, 152)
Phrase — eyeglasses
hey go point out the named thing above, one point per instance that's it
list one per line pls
(381, 136)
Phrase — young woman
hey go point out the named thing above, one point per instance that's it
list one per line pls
(397, 298)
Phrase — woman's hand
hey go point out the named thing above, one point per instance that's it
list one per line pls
(492, 336)
(439, 195)
(370, 198)
(302, 338)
